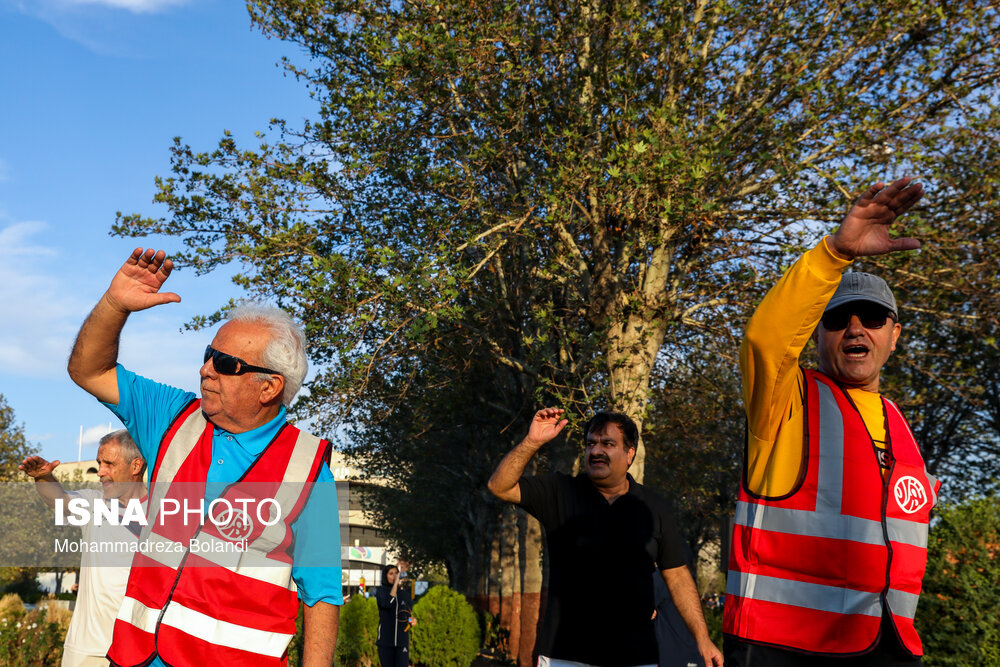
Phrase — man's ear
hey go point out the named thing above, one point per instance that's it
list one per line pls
(896, 330)
(135, 467)
(271, 388)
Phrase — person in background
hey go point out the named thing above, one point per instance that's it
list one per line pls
(674, 642)
(394, 619)
(101, 582)
(606, 536)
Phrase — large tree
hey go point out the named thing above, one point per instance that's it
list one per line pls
(630, 155)
(563, 189)
(946, 374)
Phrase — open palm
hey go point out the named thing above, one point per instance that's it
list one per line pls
(865, 230)
(137, 284)
(546, 424)
(36, 466)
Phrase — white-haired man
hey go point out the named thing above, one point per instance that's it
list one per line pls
(102, 583)
(223, 588)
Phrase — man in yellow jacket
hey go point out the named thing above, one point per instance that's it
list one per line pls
(829, 545)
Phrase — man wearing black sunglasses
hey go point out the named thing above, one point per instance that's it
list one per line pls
(225, 581)
(830, 534)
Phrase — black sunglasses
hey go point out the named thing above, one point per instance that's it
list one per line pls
(227, 364)
(872, 316)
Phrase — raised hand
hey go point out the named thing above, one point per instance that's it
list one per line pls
(36, 467)
(865, 230)
(137, 284)
(546, 424)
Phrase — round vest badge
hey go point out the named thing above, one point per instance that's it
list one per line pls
(910, 494)
(233, 523)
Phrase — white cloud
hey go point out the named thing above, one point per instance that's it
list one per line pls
(134, 6)
(45, 296)
(49, 8)
(41, 315)
(93, 434)
(105, 27)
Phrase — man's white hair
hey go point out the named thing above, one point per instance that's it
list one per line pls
(285, 352)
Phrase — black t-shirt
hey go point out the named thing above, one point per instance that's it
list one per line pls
(601, 557)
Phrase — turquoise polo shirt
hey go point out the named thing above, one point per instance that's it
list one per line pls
(147, 409)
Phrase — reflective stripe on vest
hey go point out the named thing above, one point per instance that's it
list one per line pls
(818, 596)
(803, 522)
(852, 585)
(210, 629)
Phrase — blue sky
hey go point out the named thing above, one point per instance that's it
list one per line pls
(93, 91)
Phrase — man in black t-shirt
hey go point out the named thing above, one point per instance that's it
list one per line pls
(606, 536)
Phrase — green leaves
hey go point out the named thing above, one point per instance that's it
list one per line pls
(961, 592)
(552, 195)
(14, 446)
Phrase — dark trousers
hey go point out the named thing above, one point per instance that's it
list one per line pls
(888, 653)
(394, 656)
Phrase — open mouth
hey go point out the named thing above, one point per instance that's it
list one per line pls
(856, 351)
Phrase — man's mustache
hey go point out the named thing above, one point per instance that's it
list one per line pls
(598, 458)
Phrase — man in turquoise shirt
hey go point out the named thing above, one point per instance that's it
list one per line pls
(252, 370)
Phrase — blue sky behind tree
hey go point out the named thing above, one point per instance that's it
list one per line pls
(93, 92)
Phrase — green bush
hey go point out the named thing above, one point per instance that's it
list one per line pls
(295, 646)
(957, 616)
(495, 639)
(21, 581)
(446, 633)
(30, 638)
(358, 631)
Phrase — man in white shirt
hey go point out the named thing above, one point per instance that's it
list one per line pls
(102, 576)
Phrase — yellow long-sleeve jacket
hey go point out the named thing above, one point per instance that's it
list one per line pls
(772, 382)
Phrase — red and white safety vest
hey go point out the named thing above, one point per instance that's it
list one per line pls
(191, 597)
(814, 570)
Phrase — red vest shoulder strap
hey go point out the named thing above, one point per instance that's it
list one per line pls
(168, 435)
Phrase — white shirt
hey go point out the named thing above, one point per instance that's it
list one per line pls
(102, 587)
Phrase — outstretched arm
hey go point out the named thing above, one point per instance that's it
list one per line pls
(546, 425)
(46, 484)
(685, 596)
(784, 321)
(136, 286)
(865, 230)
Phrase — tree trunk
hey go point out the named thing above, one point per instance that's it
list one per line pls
(510, 581)
(531, 587)
(632, 346)
(493, 576)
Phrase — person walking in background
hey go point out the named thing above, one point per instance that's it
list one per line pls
(830, 538)
(395, 618)
(102, 580)
(606, 536)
